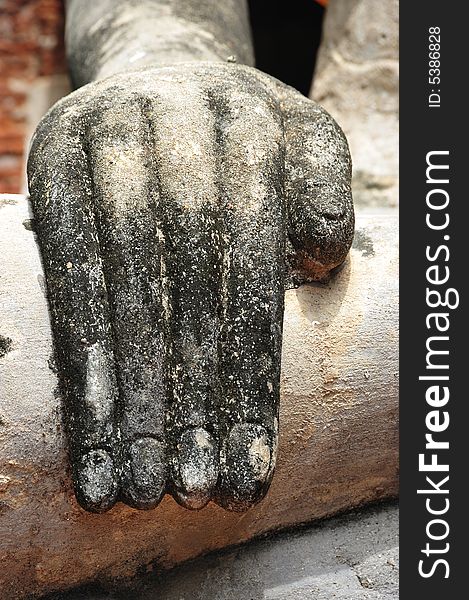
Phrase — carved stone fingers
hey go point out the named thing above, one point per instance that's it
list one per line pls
(164, 199)
(119, 143)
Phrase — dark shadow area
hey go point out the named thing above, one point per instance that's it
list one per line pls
(286, 39)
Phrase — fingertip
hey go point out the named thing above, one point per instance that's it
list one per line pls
(96, 484)
(195, 469)
(144, 473)
(246, 467)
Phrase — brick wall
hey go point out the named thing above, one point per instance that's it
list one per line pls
(31, 49)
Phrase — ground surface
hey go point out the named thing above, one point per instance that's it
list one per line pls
(354, 557)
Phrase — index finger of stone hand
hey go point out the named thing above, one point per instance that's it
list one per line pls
(318, 193)
(61, 194)
(251, 155)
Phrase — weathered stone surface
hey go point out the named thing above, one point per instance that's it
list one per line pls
(355, 557)
(163, 199)
(107, 37)
(338, 444)
(356, 80)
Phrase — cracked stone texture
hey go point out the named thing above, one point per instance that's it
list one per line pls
(338, 444)
(357, 81)
(163, 200)
(355, 557)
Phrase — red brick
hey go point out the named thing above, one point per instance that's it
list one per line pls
(23, 56)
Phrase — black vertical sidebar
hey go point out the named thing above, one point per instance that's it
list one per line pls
(434, 233)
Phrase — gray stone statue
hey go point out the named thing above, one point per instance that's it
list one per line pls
(176, 191)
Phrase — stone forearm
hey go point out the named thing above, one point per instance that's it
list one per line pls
(110, 36)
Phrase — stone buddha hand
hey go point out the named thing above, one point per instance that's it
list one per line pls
(172, 202)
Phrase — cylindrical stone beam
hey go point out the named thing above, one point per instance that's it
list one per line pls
(338, 443)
